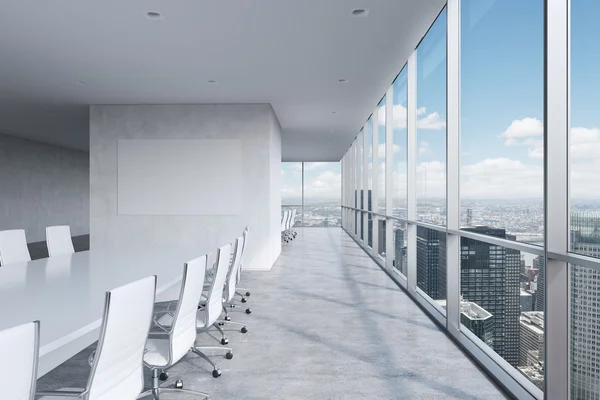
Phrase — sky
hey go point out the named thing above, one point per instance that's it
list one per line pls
(501, 110)
(322, 183)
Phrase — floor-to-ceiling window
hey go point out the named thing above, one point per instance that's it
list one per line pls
(502, 177)
(491, 162)
(431, 160)
(314, 190)
(584, 160)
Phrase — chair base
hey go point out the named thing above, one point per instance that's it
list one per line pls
(158, 388)
(199, 352)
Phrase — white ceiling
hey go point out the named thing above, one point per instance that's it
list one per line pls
(59, 56)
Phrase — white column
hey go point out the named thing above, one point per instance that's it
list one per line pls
(389, 174)
(453, 166)
(556, 197)
(412, 171)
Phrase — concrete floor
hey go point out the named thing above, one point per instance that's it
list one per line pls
(327, 323)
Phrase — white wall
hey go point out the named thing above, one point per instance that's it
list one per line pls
(42, 185)
(179, 238)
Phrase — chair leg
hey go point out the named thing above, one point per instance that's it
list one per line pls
(216, 371)
(224, 339)
(243, 329)
(156, 389)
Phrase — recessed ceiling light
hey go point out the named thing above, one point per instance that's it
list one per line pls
(213, 82)
(334, 112)
(343, 80)
(153, 15)
(360, 12)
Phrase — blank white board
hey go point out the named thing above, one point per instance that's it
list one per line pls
(179, 176)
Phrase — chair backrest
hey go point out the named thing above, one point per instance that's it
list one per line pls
(239, 274)
(19, 347)
(229, 291)
(13, 247)
(284, 218)
(183, 330)
(58, 240)
(117, 371)
(293, 219)
(214, 302)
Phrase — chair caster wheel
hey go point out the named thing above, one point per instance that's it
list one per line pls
(244, 300)
(232, 306)
(228, 318)
(221, 323)
(216, 373)
(178, 384)
(248, 294)
(248, 311)
(163, 376)
(244, 329)
(224, 341)
(229, 355)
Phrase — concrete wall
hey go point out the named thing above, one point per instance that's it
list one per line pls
(42, 185)
(179, 238)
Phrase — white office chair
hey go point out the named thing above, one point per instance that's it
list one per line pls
(243, 293)
(13, 247)
(19, 347)
(208, 314)
(284, 220)
(292, 223)
(58, 240)
(167, 347)
(229, 292)
(117, 367)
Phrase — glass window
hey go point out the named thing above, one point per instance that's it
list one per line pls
(431, 263)
(584, 134)
(585, 341)
(400, 245)
(369, 150)
(359, 187)
(291, 189)
(502, 109)
(322, 188)
(431, 124)
(380, 131)
(502, 301)
(399, 148)
(381, 224)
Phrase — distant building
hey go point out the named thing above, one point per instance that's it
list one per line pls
(531, 352)
(382, 237)
(469, 217)
(539, 264)
(526, 301)
(490, 277)
(431, 262)
(476, 319)
(585, 309)
(399, 251)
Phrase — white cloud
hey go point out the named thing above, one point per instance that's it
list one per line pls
(327, 185)
(432, 121)
(501, 178)
(431, 179)
(522, 128)
(381, 150)
(424, 147)
(585, 143)
(311, 166)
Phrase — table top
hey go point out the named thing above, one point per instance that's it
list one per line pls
(66, 294)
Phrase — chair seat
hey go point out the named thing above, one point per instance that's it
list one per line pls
(157, 352)
(63, 397)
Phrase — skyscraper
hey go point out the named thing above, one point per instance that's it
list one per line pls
(399, 251)
(431, 262)
(531, 351)
(585, 309)
(540, 264)
(490, 277)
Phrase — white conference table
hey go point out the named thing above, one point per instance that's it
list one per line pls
(67, 293)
